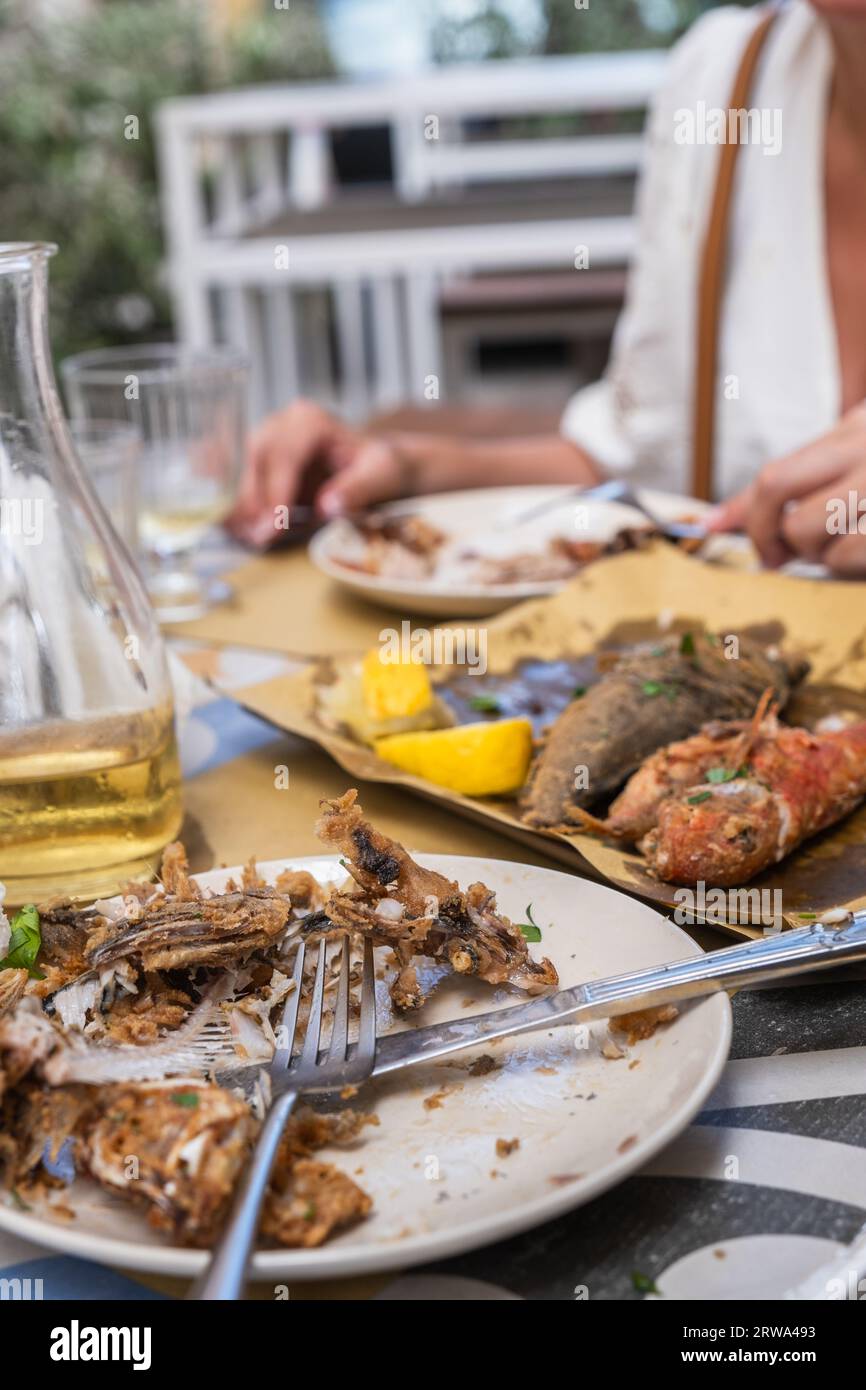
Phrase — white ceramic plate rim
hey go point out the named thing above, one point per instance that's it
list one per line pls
(333, 1261)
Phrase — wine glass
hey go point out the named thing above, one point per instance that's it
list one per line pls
(110, 451)
(189, 405)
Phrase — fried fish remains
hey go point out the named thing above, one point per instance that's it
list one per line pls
(12, 986)
(398, 547)
(647, 700)
(419, 912)
(189, 1143)
(202, 931)
(176, 1149)
(735, 799)
(308, 1199)
(112, 1053)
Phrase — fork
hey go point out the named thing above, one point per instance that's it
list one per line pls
(788, 953)
(344, 1064)
(614, 490)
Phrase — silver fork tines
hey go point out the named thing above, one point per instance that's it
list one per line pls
(340, 1027)
(312, 1038)
(344, 1062)
(285, 1030)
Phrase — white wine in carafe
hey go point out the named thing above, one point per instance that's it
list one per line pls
(89, 779)
(83, 810)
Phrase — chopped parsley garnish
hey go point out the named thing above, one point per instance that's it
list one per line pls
(188, 1099)
(24, 943)
(687, 644)
(310, 1212)
(720, 774)
(486, 704)
(578, 691)
(654, 688)
(530, 928)
(698, 798)
(642, 1283)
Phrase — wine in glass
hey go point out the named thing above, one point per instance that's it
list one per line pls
(190, 407)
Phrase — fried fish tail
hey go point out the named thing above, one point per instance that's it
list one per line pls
(609, 827)
(375, 861)
(419, 912)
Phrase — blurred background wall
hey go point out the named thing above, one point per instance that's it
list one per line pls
(411, 256)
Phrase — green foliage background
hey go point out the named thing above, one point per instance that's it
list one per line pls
(603, 26)
(68, 173)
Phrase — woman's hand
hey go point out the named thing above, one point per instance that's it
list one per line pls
(808, 504)
(303, 446)
(304, 455)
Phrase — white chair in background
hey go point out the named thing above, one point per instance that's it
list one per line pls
(355, 316)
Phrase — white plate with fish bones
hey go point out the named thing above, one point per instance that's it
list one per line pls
(439, 1187)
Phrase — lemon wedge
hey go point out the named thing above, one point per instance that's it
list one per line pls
(486, 759)
(394, 689)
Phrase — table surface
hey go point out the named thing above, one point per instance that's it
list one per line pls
(762, 1188)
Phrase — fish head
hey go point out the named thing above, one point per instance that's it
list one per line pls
(720, 835)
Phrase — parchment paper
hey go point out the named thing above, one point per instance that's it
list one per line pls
(626, 598)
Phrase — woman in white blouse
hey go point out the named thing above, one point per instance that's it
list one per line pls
(790, 425)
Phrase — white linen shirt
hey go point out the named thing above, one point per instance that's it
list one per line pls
(779, 380)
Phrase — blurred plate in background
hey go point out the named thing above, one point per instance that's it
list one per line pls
(483, 528)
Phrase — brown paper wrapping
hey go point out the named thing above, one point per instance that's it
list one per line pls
(623, 598)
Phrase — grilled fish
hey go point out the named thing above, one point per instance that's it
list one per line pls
(766, 789)
(720, 744)
(647, 700)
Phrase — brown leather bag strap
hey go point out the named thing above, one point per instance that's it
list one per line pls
(711, 278)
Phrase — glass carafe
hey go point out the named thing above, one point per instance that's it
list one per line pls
(89, 778)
